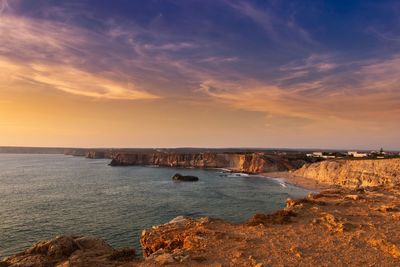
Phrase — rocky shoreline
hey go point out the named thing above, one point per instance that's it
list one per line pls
(356, 222)
(335, 227)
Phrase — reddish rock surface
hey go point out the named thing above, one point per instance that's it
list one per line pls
(332, 228)
(249, 163)
(353, 173)
(69, 251)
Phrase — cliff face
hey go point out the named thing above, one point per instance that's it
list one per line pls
(94, 154)
(249, 163)
(353, 173)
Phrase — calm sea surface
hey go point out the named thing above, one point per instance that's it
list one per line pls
(42, 196)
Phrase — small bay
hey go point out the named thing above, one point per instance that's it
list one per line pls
(42, 196)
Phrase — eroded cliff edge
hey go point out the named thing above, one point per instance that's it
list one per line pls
(353, 173)
(241, 162)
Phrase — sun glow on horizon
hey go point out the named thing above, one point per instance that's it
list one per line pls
(171, 74)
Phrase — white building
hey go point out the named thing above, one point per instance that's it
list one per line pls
(320, 155)
(355, 154)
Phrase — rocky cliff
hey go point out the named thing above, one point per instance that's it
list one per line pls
(246, 162)
(353, 173)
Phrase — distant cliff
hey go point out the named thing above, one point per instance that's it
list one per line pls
(353, 173)
(246, 162)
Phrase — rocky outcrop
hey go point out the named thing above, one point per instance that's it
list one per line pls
(340, 227)
(353, 173)
(97, 154)
(184, 178)
(246, 162)
(70, 251)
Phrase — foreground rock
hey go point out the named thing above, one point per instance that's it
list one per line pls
(333, 228)
(71, 251)
(184, 178)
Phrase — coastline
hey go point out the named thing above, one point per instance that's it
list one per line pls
(350, 227)
(299, 181)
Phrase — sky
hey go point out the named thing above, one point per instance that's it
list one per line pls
(200, 73)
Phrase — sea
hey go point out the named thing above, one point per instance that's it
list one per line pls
(42, 196)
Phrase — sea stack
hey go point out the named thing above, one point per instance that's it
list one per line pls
(184, 178)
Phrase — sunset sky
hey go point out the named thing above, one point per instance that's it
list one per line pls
(204, 73)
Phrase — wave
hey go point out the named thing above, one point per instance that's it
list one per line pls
(279, 181)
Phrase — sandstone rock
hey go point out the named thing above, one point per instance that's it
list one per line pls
(388, 208)
(352, 197)
(279, 217)
(385, 246)
(334, 224)
(90, 242)
(295, 250)
(70, 251)
(240, 162)
(122, 254)
(353, 173)
(164, 259)
(290, 203)
(61, 246)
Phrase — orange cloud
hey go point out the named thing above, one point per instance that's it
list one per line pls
(45, 54)
(373, 99)
(67, 79)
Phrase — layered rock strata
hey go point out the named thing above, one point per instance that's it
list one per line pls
(249, 162)
(353, 173)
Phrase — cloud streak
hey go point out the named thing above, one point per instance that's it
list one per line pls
(55, 55)
(67, 79)
(372, 98)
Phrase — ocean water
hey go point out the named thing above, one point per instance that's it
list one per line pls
(42, 196)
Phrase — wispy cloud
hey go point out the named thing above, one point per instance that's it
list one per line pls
(4, 6)
(280, 29)
(383, 35)
(55, 54)
(67, 79)
(373, 97)
(218, 60)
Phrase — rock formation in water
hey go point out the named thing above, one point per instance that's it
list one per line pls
(246, 162)
(184, 178)
(353, 173)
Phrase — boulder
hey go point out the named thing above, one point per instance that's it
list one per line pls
(67, 251)
(185, 178)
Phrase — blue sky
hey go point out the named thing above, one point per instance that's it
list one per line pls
(296, 69)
